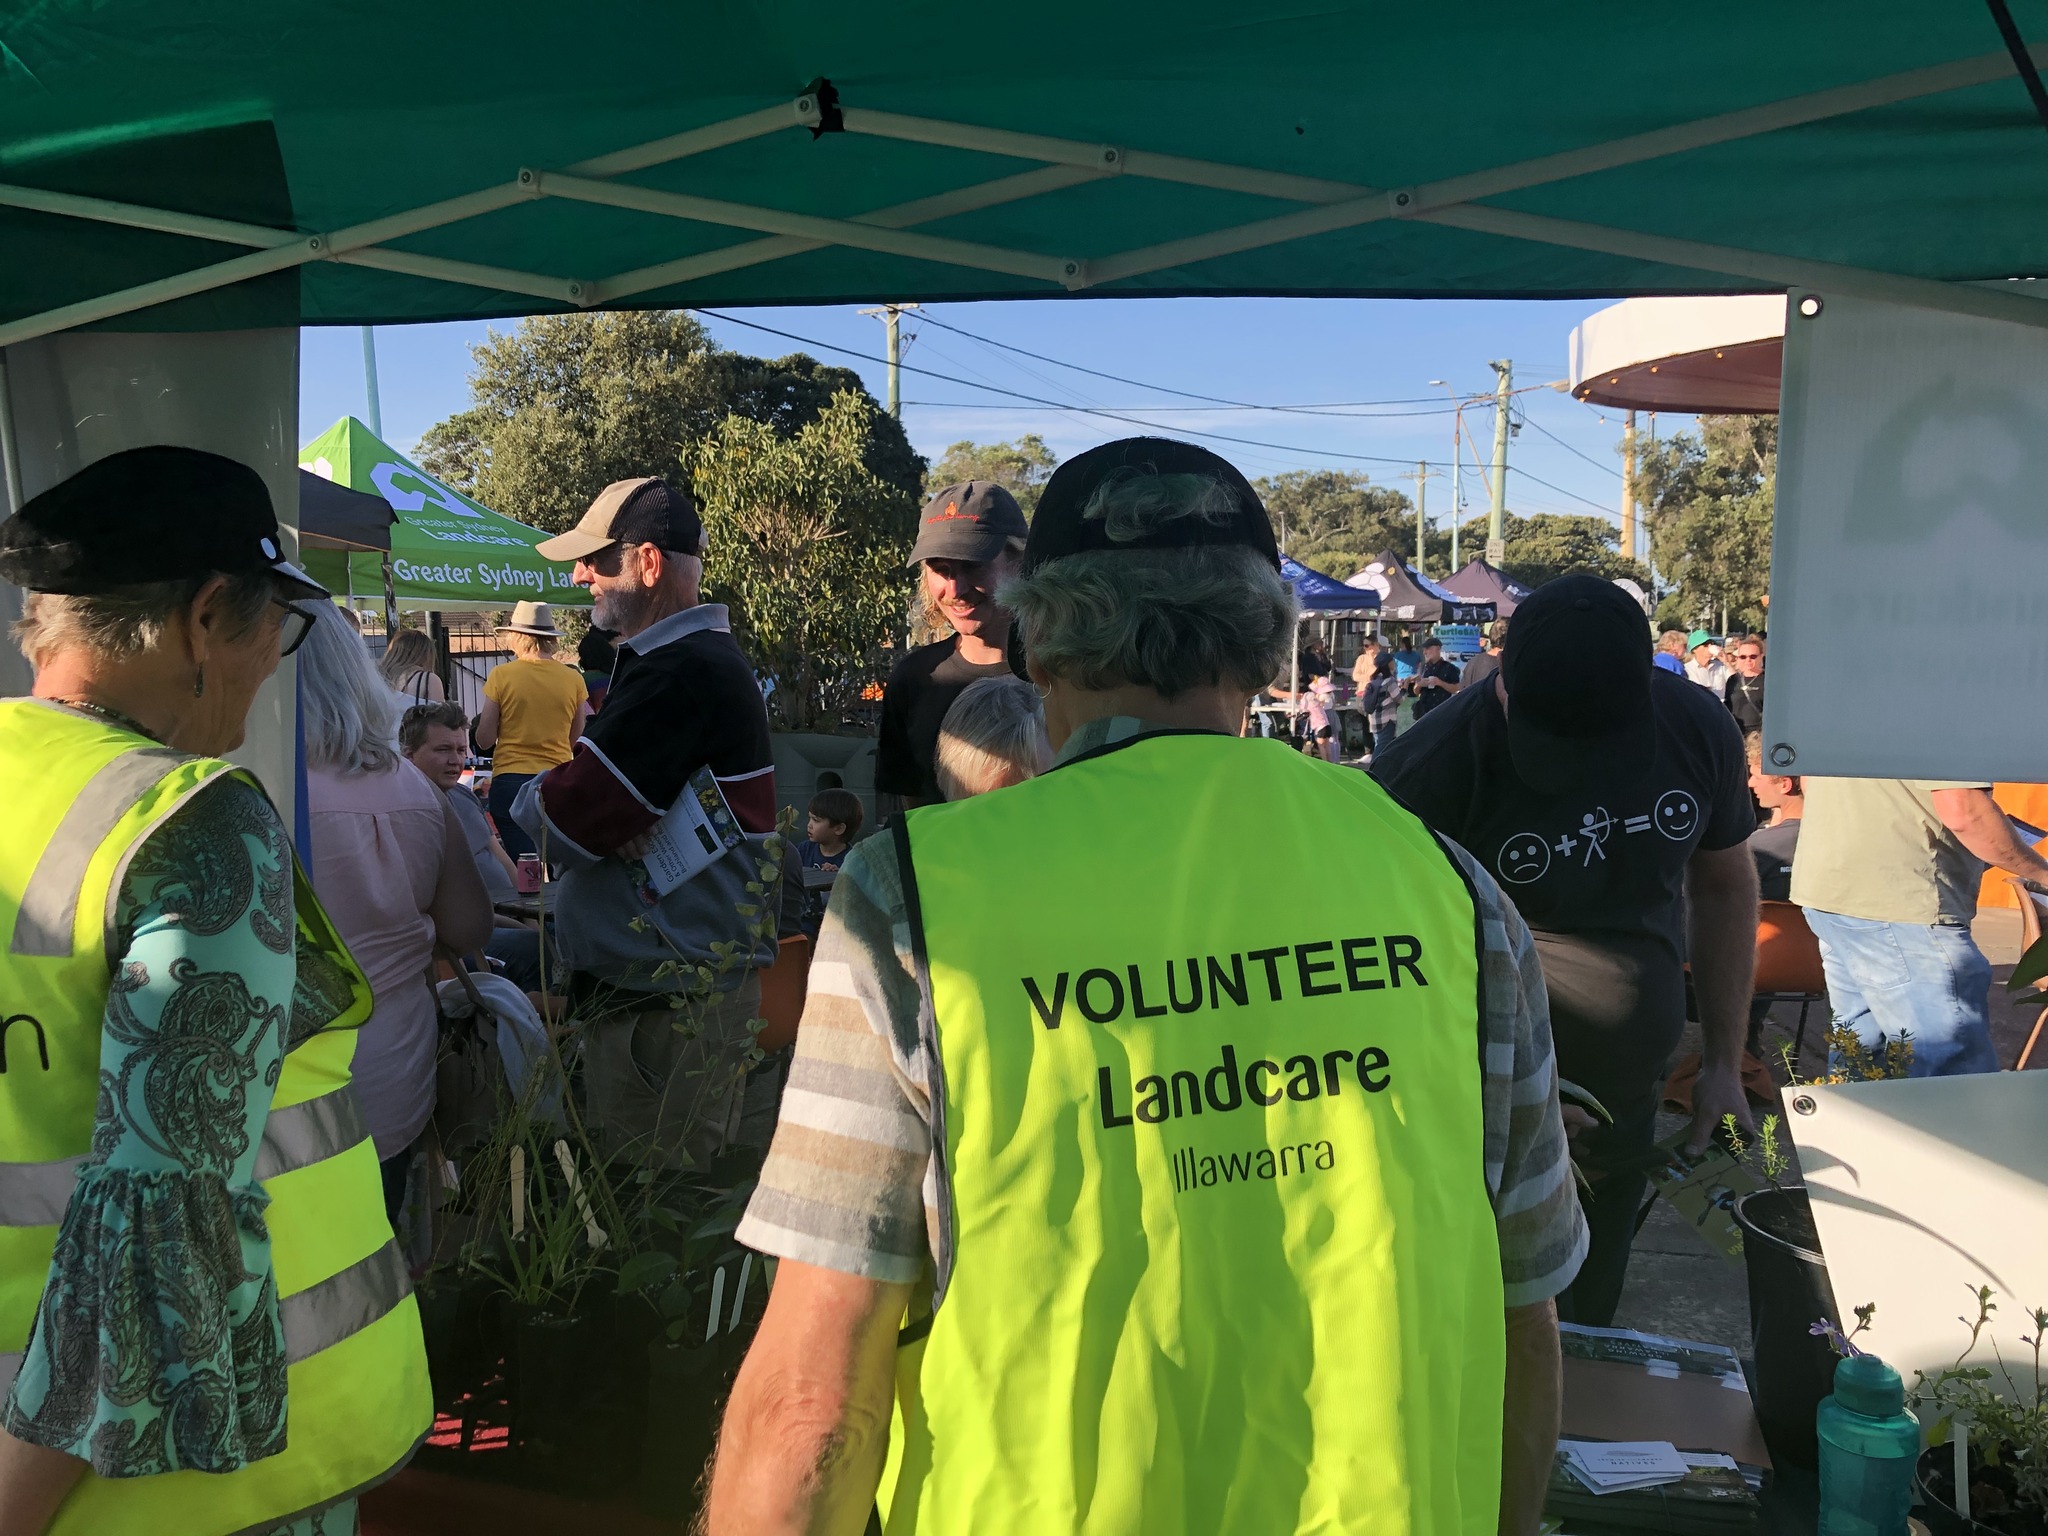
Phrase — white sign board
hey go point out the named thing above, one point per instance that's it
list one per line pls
(1924, 1190)
(1909, 578)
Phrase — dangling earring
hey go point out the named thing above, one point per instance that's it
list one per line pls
(199, 683)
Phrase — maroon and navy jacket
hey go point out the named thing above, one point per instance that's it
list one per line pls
(682, 696)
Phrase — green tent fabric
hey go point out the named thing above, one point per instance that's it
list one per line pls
(447, 551)
(296, 120)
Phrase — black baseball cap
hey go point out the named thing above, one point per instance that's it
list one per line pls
(163, 513)
(970, 521)
(1059, 528)
(1577, 673)
(646, 510)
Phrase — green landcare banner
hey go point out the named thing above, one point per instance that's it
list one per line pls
(447, 551)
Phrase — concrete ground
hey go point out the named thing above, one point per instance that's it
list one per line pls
(1679, 1286)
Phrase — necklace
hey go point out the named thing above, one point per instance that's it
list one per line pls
(112, 716)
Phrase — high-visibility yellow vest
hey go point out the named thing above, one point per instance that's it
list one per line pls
(1205, 1028)
(80, 798)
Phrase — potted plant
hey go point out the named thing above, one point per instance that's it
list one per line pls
(1992, 1428)
(686, 1289)
(1788, 1276)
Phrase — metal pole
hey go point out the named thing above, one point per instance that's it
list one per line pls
(1496, 541)
(370, 378)
(1628, 488)
(10, 452)
(1421, 515)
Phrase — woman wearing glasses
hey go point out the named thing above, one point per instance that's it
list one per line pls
(181, 1164)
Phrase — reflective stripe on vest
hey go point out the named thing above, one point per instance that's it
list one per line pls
(83, 798)
(297, 1136)
(49, 903)
(1203, 1017)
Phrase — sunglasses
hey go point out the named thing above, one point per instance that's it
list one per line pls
(295, 626)
(608, 561)
(1749, 655)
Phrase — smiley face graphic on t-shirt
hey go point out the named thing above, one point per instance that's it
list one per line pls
(1523, 857)
(1677, 815)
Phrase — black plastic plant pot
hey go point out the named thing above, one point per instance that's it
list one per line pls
(1788, 1294)
(685, 1388)
(552, 1360)
(1936, 1483)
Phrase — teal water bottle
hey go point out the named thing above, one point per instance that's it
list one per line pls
(1868, 1444)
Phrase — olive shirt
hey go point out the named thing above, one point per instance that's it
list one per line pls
(851, 1180)
(1876, 849)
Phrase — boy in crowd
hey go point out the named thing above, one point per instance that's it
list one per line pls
(833, 824)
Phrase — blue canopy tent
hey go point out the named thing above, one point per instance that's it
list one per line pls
(1325, 596)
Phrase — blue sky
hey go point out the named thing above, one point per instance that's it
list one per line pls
(1325, 353)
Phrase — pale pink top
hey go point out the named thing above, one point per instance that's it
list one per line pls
(377, 846)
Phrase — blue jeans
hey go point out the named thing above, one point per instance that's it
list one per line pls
(1926, 979)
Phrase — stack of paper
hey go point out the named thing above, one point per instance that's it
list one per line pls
(1611, 1466)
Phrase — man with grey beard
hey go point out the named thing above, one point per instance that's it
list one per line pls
(683, 703)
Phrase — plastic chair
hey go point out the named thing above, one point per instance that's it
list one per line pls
(784, 985)
(1788, 968)
(2033, 909)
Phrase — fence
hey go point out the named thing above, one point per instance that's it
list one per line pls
(470, 649)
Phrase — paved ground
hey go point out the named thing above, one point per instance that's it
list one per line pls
(1678, 1285)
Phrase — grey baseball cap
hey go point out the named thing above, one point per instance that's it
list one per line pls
(971, 521)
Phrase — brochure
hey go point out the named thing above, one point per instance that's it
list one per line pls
(698, 830)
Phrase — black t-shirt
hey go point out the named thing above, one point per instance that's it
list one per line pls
(921, 688)
(1744, 697)
(1427, 699)
(1597, 871)
(1772, 848)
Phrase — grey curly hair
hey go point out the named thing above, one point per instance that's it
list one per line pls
(1166, 619)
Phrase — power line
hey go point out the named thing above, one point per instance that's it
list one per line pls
(1086, 410)
(1529, 420)
(1158, 410)
(1241, 405)
(1516, 469)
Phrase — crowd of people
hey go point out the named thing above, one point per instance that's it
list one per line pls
(1055, 1162)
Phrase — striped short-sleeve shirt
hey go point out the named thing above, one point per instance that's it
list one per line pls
(851, 1181)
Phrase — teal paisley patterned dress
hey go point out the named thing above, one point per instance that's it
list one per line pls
(157, 1345)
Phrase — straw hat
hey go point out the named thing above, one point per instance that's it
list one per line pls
(532, 619)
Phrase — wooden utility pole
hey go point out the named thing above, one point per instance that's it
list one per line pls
(1421, 479)
(1628, 488)
(1496, 514)
(892, 321)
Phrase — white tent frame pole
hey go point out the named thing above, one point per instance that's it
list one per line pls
(1342, 205)
(865, 237)
(292, 249)
(750, 253)
(1995, 301)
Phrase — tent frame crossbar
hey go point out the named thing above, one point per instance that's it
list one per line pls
(1331, 206)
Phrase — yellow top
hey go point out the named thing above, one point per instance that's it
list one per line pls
(536, 707)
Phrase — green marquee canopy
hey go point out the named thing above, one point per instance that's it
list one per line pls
(447, 551)
(233, 163)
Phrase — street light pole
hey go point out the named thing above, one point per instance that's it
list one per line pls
(1457, 485)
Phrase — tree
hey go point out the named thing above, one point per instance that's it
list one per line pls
(1021, 468)
(1549, 544)
(807, 547)
(565, 404)
(1334, 521)
(1708, 499)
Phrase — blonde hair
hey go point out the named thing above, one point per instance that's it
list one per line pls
(350, 716)
(528, 647)
(992, 736)
(406, 651)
